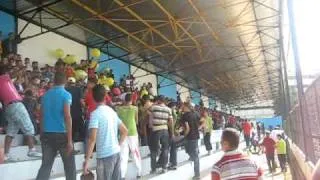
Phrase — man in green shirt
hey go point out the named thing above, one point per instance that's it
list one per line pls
(282, 152)
(129, 116)
(207, 130)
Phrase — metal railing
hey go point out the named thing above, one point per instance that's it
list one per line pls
(307, 139)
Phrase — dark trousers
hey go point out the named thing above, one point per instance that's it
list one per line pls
(143, 140)
(271, 162)
(109, 168)
(193, 151)
(173, 153)
(282, 161)
(77, 128)
(247, 139)
(86, 135)
(51, 143)
(207, 141)
(159, 137)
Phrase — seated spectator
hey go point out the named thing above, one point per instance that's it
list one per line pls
(234, 164)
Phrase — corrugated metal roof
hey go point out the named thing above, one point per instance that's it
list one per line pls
(228, 48)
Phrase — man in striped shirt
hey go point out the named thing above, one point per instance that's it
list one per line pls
(161, 120)
(234, 164)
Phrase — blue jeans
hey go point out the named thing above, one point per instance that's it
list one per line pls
(193, 151)
(108, 168)
(51, 143)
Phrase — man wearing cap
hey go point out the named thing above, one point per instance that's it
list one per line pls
(76, 109)
(269, 145)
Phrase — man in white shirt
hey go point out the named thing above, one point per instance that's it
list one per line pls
(104, 126)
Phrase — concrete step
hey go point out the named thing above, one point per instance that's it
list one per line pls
(27, 168)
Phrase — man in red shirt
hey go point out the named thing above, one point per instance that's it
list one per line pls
(269, 145)
(246, 132)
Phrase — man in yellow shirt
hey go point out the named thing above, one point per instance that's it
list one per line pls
(282, 152)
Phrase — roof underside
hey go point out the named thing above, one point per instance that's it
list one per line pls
(227, 48)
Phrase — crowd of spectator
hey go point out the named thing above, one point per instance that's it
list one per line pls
(148, 120)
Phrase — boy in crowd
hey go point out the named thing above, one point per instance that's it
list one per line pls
(234, 164)
(282, 152)
(104, 126)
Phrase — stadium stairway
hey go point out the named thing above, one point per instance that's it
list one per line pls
(25, 168)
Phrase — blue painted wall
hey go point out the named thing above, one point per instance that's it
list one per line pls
(168, 91)
(7, 24)
(119, 67)
(195, 97)
(271, 121)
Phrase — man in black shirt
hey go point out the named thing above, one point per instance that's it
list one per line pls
(192, 123)
(76, 110)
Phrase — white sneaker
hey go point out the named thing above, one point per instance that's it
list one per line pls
(7, 158)
(34, 153)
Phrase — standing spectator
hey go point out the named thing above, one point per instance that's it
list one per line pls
(76, 109)
(27, 64)
(59, 66)
(191, 123)
(174, 142)
(234, 164)
(35, 84)
(269, 145)
(56, 128)
(90, 107)
(263, 130)
(161, 120)
(246, 132)
(104, 126)
(231, 121)
(207, 131)
(16, 115)
(129, 116)
(30, 103)
(144, 121)
(282, 152)
(258, 130)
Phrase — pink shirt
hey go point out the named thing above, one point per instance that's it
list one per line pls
(8, 92)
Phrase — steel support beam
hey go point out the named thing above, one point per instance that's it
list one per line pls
(103, 18)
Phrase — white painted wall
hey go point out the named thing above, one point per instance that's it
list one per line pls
(205, 100)
(185, 93)
(41, 48)
(145, 78)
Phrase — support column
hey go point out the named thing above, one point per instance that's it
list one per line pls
(298, 71)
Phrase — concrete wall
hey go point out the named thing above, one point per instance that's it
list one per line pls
(41, 48)
(143, 76)
(300, 168)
